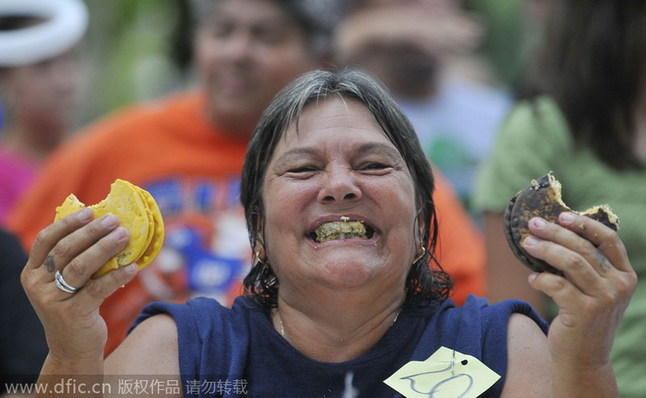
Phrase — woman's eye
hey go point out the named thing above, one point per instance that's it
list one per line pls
(374, 166)
(302, 169)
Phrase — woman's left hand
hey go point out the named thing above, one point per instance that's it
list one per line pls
(592, 297)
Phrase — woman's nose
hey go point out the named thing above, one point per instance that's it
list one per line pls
(339, 185)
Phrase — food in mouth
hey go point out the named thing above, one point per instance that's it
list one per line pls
(343, 229)
(542, 198)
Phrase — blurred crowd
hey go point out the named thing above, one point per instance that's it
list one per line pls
(166, 94)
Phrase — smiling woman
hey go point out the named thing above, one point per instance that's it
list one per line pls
(341, 158)
(341, 299)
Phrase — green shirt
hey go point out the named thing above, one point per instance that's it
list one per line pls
(536, 139)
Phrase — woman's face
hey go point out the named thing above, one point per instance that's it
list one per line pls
(339, 202)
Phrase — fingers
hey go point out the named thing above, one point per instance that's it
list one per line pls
(97, 290)
(566, 251)
(577, 269)
(567, 296)
(590, 254)
(603, 238)
(595, 291)
(580, 241)
(48, 237)
(87, 249)
(67, 253)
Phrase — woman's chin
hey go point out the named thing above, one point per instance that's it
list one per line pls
(348, 275)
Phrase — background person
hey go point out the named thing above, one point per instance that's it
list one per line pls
(335, 151)
(41, 84)
(187, 151)
(426, 53)
(22, 339)
(585, 120)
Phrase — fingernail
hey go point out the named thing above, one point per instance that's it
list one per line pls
(538, 222)
(120, 233)
(566, 217)
(530, 241)
(532, 277)
(109, 220)
(85, 215)
(131, 268)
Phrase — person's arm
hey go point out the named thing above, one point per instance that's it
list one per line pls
(592, 297)
(534, 372)
(150, 352)
(506, 275)
(528, 366)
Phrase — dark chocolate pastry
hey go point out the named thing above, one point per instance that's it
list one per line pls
(542, 198)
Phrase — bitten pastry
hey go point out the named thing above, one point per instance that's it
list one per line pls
(542, 198)
(137, 211)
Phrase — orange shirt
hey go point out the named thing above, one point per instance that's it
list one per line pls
(460, 247)
(192, 170)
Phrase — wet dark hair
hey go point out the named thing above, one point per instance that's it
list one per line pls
(426, 281)
(592, 62)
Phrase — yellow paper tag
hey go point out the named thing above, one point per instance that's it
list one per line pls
(445, 374)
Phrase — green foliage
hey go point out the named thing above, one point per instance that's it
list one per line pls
(133, 47)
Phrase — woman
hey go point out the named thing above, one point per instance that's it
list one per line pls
(585, 120)
(336, 191)
(245, 52)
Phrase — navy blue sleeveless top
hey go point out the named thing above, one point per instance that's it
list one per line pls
(236, 352)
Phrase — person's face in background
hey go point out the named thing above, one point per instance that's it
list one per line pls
(45, 96)
(246, 52)
(404, 43)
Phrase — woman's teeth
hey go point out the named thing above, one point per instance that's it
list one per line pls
(336, 230)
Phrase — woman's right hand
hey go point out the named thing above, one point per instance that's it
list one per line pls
(76, 246)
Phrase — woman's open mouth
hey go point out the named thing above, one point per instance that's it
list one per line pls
(338, 230)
